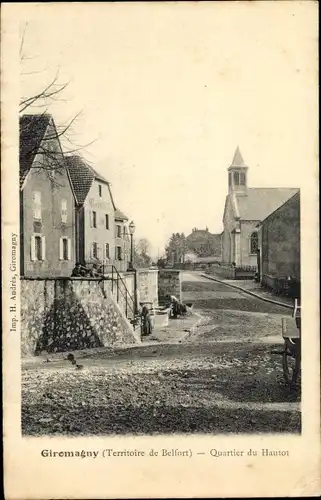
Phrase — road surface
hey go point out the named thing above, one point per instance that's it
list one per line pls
(221, 378)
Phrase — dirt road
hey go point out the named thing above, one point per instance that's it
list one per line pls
(219, 378)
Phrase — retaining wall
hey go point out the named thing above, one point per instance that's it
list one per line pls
(69, 314)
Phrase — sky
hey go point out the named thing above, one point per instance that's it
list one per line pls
(167, 91)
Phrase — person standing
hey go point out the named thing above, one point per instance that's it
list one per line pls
(146, 321)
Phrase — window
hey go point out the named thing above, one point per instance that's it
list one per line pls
(236, 179)
(94, 250)
(118, 253)
(107, 221)
(229, 179)
(107, 252)
(118, 231)
(38, 248)
(254, 243)
(242, 179)
(65, 248)
(37, 205)
(93, 219)
(64, 211)
(100, 189)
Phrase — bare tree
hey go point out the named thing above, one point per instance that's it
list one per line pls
(50, 158)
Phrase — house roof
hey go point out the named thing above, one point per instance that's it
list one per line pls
(120, 215)
(258, 203)
(238, 159)
(293, 199)
(81, 177)
(32, 129)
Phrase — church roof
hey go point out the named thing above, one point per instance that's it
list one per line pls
(238, 159)
(258, 203)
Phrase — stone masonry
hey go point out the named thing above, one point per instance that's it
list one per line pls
(169, 283)
(69, 314)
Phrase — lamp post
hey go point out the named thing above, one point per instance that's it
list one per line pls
(131, 263)
(131, 232)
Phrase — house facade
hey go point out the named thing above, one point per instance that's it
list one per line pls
(47, 220)
(96, 238)
(244, 209)
(122, 241)
(279, 242)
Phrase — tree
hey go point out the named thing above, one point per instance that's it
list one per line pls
(176, 248)
(141, 253)
(143, 246)
(38, 103)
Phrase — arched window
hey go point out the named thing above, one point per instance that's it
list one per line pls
(242, 179)
(254, 243)
(236, 179)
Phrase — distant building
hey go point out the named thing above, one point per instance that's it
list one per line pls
(47, 222)
(99, 232)
(244, 208)
(279, 242)
(122, 240)
(202, 243)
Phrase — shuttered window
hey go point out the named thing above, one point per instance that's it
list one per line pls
(65, 248)
(94, 250)
(38, 248)
(64, 211)
(36, 208)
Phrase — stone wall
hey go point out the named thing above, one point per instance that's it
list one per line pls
(221, 271)
(68, 314)
(147, 285)
(169, 283)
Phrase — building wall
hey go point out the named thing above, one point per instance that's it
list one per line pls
(68, 314)
(169, 283)
(247, 228)
(230, 224)
(101, 205)
(147, 285)
(124, 243)
(280, 241)
(51, 226)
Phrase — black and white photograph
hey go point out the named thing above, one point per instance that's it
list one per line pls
(156, 265)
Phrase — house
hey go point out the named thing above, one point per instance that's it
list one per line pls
(279, 243)
(203, 243)
(96, 216)
(122, 240)
(47, 223)
(244, 208)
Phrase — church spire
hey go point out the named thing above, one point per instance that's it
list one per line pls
(238, 159)
(237, 174)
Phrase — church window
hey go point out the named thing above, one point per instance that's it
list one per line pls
(236, 179)
(254, 243)
(242, 179)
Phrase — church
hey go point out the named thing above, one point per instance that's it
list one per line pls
(245, 208)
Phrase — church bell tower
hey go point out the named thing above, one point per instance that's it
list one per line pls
(237, 174)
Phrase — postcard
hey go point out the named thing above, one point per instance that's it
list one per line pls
(160, 250)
